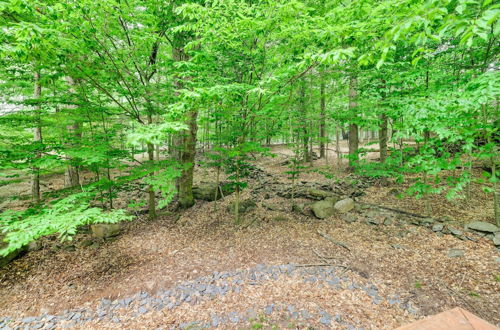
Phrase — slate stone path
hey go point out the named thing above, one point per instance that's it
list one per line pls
(212, 287)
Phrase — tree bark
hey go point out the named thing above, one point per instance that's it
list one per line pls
(303, 122)
(186, 141)
(383, 137)
(37, 139)
(187, 160)
(353, 127)
(151, 192)
(71, 175)
(322, 124)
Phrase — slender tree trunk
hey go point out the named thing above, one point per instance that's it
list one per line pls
(303, 124)
(37, 139)
(337, 147)
(151, 159)
(322, 124)
(71, 175)
(382, 140)
(157, 152)
(345, 135)
(353, 127)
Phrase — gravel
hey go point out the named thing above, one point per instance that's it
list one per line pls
(214, 286)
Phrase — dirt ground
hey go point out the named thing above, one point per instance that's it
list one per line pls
(149, 255)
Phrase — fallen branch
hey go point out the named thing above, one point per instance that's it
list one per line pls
(322, 256)
(321, 265)
(325, 236)
(249, 224)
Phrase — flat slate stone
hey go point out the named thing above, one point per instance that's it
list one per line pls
(326, 319)
(437, 227)
(496, 239)
(455, 253)
(483, 226)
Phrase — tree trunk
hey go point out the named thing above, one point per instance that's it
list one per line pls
(345, 135)
(353, 127)
(186, 141)
(71, 175)
(151, 193)
(383, 137)
(322, 124)
(303, 124)
(188, 153)
(37, 139)
(157, 152)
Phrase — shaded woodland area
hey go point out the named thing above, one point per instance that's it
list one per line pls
(266, 163)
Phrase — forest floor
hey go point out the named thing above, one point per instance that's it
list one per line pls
(199, 268)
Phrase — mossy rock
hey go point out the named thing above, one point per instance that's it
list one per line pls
(4, 260)
(207, 191)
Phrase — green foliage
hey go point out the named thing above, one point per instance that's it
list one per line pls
(62, 217)
(119, 78)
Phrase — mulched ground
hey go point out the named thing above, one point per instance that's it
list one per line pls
(399, 259)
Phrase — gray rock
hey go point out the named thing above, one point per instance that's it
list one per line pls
(106, 230)
(95, 245)
(456, 253)
(496, 239)
(373, 221)
(206, 191)
(305, 315)
(233, 317)
(126, 302)
(427, 222)
(344, 205)
(215, 320)
(86, 243)
(30, 319)
(326, 319)
(350, 218)
(142, 310)
(244, 206)
(50, 326)
(454, 231)
(437, 227)
(394, 301)
(268, 310)
(101, 313)
(320, 194)
(11, 256)
(482, 226)
(252, 314)
(323, 209)
(34, 246)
